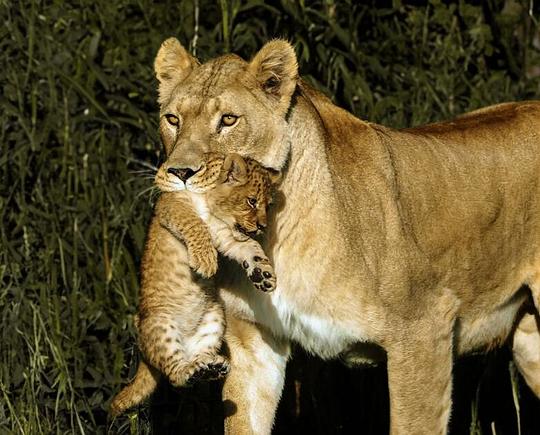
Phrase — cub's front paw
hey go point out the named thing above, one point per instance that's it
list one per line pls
(261, 273)
(204, 260)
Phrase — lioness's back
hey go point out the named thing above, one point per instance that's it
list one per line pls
(496, 117)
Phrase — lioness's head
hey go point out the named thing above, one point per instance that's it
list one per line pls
(225, 105)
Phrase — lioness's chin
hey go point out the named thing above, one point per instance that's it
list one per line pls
(190, 188)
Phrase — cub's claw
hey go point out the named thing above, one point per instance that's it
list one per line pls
(211, 372)
(216, 369)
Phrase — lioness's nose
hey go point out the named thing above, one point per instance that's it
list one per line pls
(182, 173)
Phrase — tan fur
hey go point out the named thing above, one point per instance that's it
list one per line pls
(526, 350)
(416, 241)
(180, 321)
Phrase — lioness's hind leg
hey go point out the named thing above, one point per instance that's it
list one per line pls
(526, 350)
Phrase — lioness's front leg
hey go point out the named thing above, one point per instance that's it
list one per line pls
(257, 372)
(420, 358)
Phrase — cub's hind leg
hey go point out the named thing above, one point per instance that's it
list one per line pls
(203, 347)
(162, 344)
(143, 384)
(180, 346)
(167, 348)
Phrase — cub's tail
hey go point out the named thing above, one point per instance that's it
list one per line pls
(143, 384)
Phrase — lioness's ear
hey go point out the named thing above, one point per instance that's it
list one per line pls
(234, 170)
(276, 69)
(172, 65)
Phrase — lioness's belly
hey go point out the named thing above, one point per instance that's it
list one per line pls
(329, 337)
(325, 330)
(491, 329)
(324, 336)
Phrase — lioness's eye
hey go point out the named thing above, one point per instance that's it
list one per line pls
(252, 202)
(228, 120)
(172, 119)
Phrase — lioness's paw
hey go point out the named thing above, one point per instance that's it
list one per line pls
(204, 260)
(261, 273)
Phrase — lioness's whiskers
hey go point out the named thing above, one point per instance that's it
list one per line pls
(152, 189)
(143, 163)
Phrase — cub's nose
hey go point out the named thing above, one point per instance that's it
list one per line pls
(261, 227)
(182, 173)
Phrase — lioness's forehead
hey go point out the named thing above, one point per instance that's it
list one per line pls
(211, 78)
(203, 88)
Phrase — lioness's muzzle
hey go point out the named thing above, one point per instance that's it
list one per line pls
(182, 173)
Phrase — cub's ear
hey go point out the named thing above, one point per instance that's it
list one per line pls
(234, 170)
(276, 69)
(172, 65)
(275, 176)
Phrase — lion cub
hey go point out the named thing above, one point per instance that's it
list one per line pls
(180, 321)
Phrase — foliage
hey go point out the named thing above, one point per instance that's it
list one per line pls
(78, 144)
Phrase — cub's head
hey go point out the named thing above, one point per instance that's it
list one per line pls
(242, 195)
(226, 105)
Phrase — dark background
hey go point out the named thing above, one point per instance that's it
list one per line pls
(78, 142)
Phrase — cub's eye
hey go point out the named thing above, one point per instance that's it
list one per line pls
(228, 120)
(252, 202)
(172, 119)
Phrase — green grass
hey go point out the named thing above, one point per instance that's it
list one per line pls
(78, 140)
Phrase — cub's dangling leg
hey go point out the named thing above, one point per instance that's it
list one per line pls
(142, 385)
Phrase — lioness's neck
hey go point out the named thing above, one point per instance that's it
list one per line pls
(307, 166)
(306, 187)
(329, 149)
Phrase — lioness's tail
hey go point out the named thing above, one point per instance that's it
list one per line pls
(143, 384)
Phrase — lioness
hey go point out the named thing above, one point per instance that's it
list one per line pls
(419, 242)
